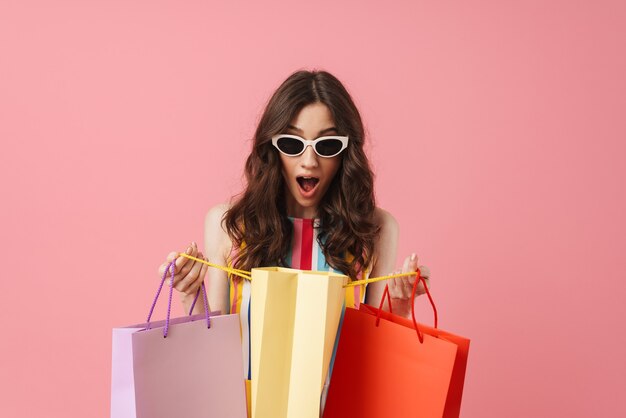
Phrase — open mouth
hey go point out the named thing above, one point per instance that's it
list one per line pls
(307, 183)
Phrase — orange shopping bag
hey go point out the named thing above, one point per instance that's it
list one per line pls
(387, 365)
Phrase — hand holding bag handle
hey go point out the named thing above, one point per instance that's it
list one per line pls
(432, 303)
(172, 269)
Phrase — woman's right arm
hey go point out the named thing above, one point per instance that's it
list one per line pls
(217, 246)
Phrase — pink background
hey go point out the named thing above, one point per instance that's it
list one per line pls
(497, 134)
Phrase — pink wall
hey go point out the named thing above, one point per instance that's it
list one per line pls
(498, 139)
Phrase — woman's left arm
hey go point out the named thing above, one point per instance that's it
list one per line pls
(400, 288)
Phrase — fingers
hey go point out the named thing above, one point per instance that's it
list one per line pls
(405, 265)
(392, 285)
(405, 287)
(183, 264)
(168, 260)
(425, 274)
(405, 284)
(193, 287)
(181, 261)
(192, 275)
(402, 287)
(410, 265)
(398, 288)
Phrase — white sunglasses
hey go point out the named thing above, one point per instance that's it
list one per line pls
(324, 146)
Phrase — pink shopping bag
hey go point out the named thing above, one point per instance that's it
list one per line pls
(189, 366)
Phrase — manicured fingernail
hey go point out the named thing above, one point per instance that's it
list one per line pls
(412, 256)
(168, 282)
(194, 243)
(189, 250)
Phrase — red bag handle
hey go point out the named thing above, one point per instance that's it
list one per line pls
(419, 278)
(382, 301)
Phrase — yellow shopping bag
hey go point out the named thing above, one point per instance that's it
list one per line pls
(294, 319)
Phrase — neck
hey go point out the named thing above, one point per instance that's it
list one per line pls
(296, 210)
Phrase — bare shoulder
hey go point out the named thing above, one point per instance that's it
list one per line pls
(216, 213)
(387, 222)
(217, 241)
(387, 242)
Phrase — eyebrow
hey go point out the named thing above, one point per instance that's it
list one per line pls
(323, 131)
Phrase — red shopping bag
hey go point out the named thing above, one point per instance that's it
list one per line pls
(387, 365)
(189, 367)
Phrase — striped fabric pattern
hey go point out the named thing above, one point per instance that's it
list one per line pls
(305, 254)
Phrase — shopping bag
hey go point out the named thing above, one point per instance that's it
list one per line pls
(188, 366)
(387, 365)
(294, 319)
(457, 380)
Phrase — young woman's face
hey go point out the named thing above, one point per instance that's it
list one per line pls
(308, 175)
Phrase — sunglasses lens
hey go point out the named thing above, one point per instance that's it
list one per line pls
(290, 146)
(328, 147)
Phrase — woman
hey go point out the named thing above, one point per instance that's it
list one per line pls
(308, 204)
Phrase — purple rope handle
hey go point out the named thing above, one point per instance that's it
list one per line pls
(206, 304)
(172, 269)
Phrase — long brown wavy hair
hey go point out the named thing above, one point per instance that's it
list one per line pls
(257, 221)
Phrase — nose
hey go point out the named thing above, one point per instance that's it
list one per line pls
(309, 158)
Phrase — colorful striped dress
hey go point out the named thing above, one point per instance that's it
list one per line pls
(305, 254)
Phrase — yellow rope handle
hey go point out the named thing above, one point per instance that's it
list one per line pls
(241, 273)
(247, 275)
(378, 279)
